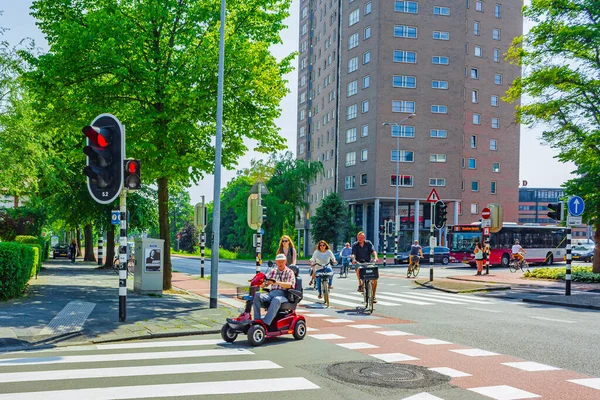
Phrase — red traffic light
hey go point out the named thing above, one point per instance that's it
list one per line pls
(99, 137)
(132, 176)
(132, 167)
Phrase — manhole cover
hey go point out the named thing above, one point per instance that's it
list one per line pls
(386, 375)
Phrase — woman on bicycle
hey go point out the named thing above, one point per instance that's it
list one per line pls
(286, 246)
(322, 256)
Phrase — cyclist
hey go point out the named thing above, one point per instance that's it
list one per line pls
(518, 252)
(345, 255)
(322, 256)
(416, 252)
(362, 251)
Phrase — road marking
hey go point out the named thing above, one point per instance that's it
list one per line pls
(123, 357)
(136, 371)
(171, 390)
(394, 333)
(394, 357)
(530, 366)
(70, 319)
(148, 345)
(334, 301)
(318, 315)
(553, 320)
(455, 297)
(484, 309)
(385, 303)
(504, 392)
(593, 383)
(451, 372)
(309, 329)
(364, 326)
(327, 336)
(358, 345)
(429, 342)
(423, 396)
(339, 320)
(401, 296)
(475, 352)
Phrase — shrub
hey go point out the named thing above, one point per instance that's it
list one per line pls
(17, 261)
(40, 243)
(578, 274)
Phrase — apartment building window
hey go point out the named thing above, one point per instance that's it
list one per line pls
(302, 97)
(475, 186)
(473, 141)
(302, 114)
(476, 25)
(368, 8)
(353, 41)
(404, 81)
(437, 182)
(351, 112)
(304, 12)
(354, 17)
(301, 131)
(440, 60)
(403, 131)
(493, 144)
(439, 109)
(438, 133)
(495, 123)
(409, 7)
(303, 47)
(364, 131)
(366, 81)
(351, 135)
(438, 35)
(498, 11)
(405, 180)
(494, 100)
(352, 64)
(492, 187)
(474, 208)
(441, 11)
(403, 106)
(365, 106)
(350, 158)
(474, 73)
(496, 34)
(409, 57)
(498, 79)
(439, 84)
(403, 31)
(496, 55)
(476, 119)
(331, 95)
(474, 96)
(364, 155)
(366, 57)
(303, 80)
(303, 64)
(350, 182)
(437, 158)
(496, 167)
(352, 88)
(463, 163)
(479, 6)
(304, 29)
(472, 163)
(478, 51)
(367, 33)
(363, 179)
(403, 156)
(301, 148)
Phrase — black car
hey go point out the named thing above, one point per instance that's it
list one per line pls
(583, 253)
(60, 250)
(441, 255)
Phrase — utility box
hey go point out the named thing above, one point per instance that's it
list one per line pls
(149, 266)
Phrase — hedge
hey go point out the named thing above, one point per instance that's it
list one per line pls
(578, 274)
(40, 243)
(17, 265)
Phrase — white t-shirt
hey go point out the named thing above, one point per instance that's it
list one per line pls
(322, 258)
(516, 249)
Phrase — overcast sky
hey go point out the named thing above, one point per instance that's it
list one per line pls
(537, 164)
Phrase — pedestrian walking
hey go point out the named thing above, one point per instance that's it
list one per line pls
(478, 257)
(73, 250)
(486, 255)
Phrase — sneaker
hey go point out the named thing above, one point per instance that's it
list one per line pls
(360, 289)
(320, 297)
(330, 287)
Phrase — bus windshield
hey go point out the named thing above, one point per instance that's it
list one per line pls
(464, 241)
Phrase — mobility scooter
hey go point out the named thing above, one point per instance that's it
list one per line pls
(285, 322)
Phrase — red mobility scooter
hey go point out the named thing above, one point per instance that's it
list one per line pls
(285, 322)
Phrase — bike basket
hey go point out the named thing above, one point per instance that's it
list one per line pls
(368, 273)
(246, 291)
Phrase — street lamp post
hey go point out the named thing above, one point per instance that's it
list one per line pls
(396, 219)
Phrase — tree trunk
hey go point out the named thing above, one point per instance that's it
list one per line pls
(89, 243)
(109, 249)
(596, 263)
(78, 234)
(163, 223)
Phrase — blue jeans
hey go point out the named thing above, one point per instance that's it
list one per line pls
(326, 269)
(275, 298)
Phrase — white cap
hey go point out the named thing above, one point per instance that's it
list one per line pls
(281, 257)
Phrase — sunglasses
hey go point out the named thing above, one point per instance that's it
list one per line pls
(321, 245)
(284, 241)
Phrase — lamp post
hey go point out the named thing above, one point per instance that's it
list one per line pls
(396, 222)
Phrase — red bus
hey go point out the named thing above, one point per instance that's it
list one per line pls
(543, 244)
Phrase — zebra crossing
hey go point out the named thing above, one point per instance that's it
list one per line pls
(143, 370)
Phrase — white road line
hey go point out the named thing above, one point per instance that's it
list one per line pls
(136, 371)
(530, 366)
(123, 357)
(402, 300)
(454, 373)
(358, 345)
(392, 357)
(475, 352)
(327, 336)
(484, 309)
(442, 298)
(339, 320)
(170, 390)
(503, 392)
(458, 297)
(359, 297)
(333, 301)
(553, 320)
(429, 342)
(148, 345)
(398, 296)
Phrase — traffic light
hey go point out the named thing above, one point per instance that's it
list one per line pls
(105, 151)
(440, 214)
(390, 227)
(132, 174)
(557, 212)
(263, 213)
(382, 229)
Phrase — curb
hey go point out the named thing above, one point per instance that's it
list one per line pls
(157, 336)
(490, 289)
(556, 303)
(492, 282)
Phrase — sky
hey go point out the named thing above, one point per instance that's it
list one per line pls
(537, 163)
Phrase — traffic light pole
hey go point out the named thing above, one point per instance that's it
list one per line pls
(100, 250)
(202, 244)
(431, 241)
(568, 272)
(259, 236)
(385, 243)
(123, 258)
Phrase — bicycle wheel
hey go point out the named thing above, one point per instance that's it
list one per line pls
(525, 266)
(370, 304)
(512, 266)
(409, 270)
(416, 269)
(325, 287)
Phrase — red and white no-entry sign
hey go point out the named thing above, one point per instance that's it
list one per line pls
(485, 213)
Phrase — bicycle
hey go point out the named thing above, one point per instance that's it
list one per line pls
(345, 267)
(414, 267)
(515, 265)
(130, 265)
(324, 277)
(367, 274)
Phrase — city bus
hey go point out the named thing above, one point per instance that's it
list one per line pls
(543, 244)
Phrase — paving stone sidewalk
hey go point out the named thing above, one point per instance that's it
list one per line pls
(29, 321)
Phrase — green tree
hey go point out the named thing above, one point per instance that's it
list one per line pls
(153, 63)
(331, 221)
(561, 58)
(188, 237)
(181, 210)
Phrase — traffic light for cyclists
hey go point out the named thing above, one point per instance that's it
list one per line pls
(557, 211)
(440, 214)
(390, 227)
(132, 176)
(105, 151)
(263, 212)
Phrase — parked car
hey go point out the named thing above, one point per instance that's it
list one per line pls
(441, 255)
(60, 250)
(583, 253)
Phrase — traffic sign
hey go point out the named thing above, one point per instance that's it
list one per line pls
(433, 196)
(486, 223)
(574, 221)
(575, 206)
(486, 231)
(115, 217)
(485, 213)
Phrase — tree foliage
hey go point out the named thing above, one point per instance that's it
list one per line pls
(331, 221)
(188, 237)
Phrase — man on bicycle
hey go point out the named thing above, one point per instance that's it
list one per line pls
(345, 255)
(518, 252)
(416, 252)
(362, 250)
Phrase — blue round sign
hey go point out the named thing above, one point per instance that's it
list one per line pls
(575, 206)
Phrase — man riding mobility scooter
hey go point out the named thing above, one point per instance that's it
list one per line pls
(286, 321)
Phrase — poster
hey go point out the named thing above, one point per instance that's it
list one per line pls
(152, 263)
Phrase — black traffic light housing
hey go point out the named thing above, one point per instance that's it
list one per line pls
(105, 151)
(382, 229)
(264, 211)
(440, 214)
(132, 177)
(557, 211)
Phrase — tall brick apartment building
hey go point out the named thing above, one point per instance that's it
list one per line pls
(366, 62)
